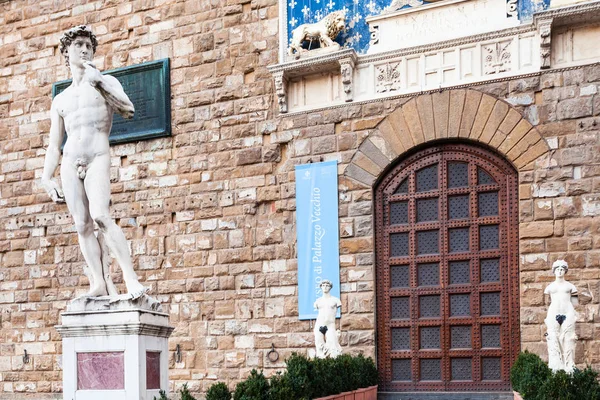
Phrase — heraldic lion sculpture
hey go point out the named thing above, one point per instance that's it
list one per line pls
(326, 30)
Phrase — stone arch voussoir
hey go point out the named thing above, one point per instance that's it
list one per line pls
(460, 113)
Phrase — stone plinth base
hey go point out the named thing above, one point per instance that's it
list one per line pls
(114, 348)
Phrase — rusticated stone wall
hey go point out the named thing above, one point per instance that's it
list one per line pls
(209, 212)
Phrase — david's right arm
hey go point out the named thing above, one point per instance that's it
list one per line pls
(57, 131)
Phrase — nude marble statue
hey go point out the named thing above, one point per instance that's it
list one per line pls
(85, 111)
(326, 336)
(560, 321)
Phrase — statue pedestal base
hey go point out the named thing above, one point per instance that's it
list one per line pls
(114, 348)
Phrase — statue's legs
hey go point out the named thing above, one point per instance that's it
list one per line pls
(78, 205)
(332, 342)
(97, 187)
(568, 340)
(319, 343)
(555, 361)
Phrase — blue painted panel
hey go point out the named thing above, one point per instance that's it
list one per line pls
(357, 35)
(529, 7)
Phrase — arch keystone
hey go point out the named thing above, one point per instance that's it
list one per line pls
(457, 104)
(441, 108)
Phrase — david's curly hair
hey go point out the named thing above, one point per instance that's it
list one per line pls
(70, 35)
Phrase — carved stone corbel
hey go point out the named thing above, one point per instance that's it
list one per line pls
(281, 90)
(347, 72)
(545, 31)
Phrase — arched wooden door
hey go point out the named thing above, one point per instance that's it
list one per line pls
(447, 271)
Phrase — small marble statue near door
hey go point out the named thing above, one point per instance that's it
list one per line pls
(326, 336)
(560, 321)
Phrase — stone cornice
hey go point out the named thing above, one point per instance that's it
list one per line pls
(123, 329)
(309, 62)
(568, 11)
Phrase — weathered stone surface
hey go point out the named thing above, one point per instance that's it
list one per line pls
(457, 102)
(482, 115)
(210, 211)
(441, 109)
(411, 116)
(472, 101)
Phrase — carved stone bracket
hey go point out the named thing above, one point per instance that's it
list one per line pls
(281, 90)
(347, 71)
(545, 30)
(341, 62)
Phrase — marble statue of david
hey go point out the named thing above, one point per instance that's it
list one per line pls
(560, 321)
(326, 336)
(85, 111)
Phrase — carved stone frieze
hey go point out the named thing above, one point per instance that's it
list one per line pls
(387, 77)
(496, 57)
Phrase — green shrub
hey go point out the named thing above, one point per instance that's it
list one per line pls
(255, 387)
(365, 372)
(218, 391)
(528, 374)
(280, 388)
(306, 379)
(585, 384)
(185, 393)
(531, 377)
(298, 373)
(163, 395)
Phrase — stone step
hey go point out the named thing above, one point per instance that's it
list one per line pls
(445, 396)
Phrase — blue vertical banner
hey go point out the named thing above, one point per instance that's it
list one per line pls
(317, 232)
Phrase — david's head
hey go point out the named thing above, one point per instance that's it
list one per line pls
(77, 45)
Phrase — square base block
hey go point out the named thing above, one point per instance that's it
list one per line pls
(115, 350)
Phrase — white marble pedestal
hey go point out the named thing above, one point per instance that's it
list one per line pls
(114, 349)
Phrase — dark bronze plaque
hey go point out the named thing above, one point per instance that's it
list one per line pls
(149, 89)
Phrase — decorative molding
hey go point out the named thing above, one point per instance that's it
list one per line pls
(122, 329)
(569, 11)
(460, 86)
(496, 57)
(545, 32)
(387, 77)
